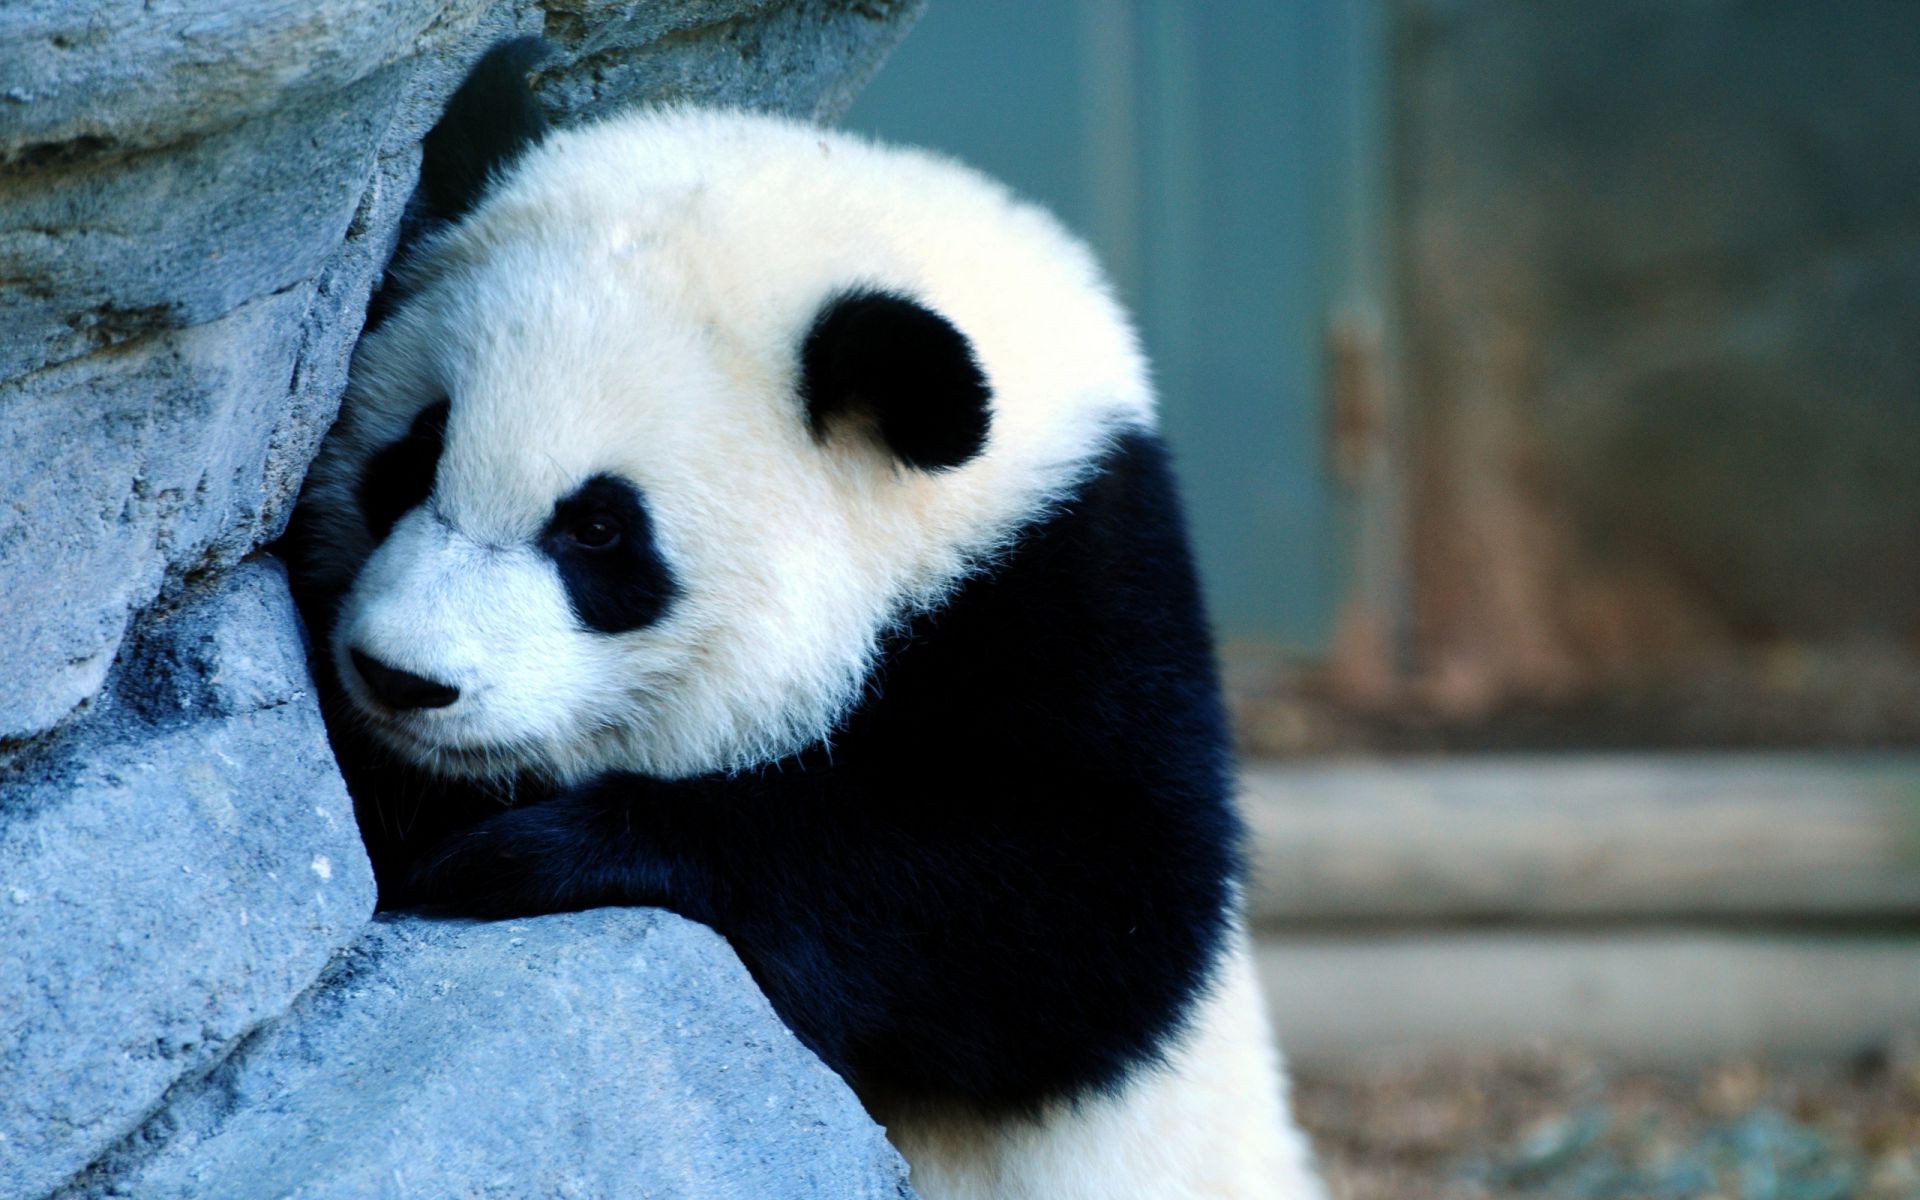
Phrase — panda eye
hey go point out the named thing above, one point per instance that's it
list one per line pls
(600, 539)
(596, 532)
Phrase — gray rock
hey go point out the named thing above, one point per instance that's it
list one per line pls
(176, 452)
(195, 205)
(111, 77)
(803, 58)
(181, 867)
(117, 247)
(609, 1054)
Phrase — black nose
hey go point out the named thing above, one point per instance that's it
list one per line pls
(401, 689)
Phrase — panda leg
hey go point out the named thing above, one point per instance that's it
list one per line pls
(1212, 1124)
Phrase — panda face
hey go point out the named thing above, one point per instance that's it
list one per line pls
(677, 424)
(538, 506)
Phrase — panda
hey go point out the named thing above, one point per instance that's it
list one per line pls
(742, 518)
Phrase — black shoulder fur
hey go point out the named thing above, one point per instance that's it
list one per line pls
(1005, 882)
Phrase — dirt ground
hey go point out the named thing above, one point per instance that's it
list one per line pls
(1540, 1123)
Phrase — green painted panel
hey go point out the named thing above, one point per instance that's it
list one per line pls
(1222, 157)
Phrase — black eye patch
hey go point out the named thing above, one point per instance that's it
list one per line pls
(602, 540)
(399, 477)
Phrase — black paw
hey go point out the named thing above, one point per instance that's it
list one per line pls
(505, 866)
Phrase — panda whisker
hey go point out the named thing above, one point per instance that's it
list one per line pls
(412, 803)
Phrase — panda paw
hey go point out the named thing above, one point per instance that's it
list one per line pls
(583, 849)
(513, 864)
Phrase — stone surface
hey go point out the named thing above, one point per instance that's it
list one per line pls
(182, 867)
(115, 76)
(195, 201)
(174, 452)
(609, 1054)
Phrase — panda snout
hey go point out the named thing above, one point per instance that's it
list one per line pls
(401, 689)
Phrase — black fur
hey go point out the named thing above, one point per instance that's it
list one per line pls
(618, 585)
(490, 121)
(884, 358)
(399, 477)
(1006, 880)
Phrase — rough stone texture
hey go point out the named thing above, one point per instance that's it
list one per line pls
(196, 199)
(195, 203)
(617, 1053)
(173, 452)
(184, 866)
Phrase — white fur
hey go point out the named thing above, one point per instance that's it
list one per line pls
(632, 298)
(1212, 1124)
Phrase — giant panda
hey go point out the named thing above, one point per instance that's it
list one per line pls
(742, 518)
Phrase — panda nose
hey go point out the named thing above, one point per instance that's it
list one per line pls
(401, 689)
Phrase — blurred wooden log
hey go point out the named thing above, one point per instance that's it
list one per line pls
(1586, 838)
(1666, 996)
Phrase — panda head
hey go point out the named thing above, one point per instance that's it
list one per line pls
(676, 423)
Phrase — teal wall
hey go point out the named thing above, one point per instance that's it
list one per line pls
(1225, 159)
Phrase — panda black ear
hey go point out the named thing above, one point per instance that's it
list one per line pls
(888, 360)
(490, 121)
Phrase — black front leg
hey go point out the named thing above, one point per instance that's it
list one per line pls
(579, 850)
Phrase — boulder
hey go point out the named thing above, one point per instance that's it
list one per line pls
(184, 865)
(607, 1054)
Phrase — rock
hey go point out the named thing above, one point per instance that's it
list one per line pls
(183, 867)
(616, 1053)
(804, 58)
(177, 450)
(115, 77)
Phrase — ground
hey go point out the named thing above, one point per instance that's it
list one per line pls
(1541, 1123)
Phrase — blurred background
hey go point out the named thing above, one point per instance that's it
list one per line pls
(1546, 380)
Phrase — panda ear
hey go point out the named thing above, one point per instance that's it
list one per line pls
(902, 368)
(490, 121)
